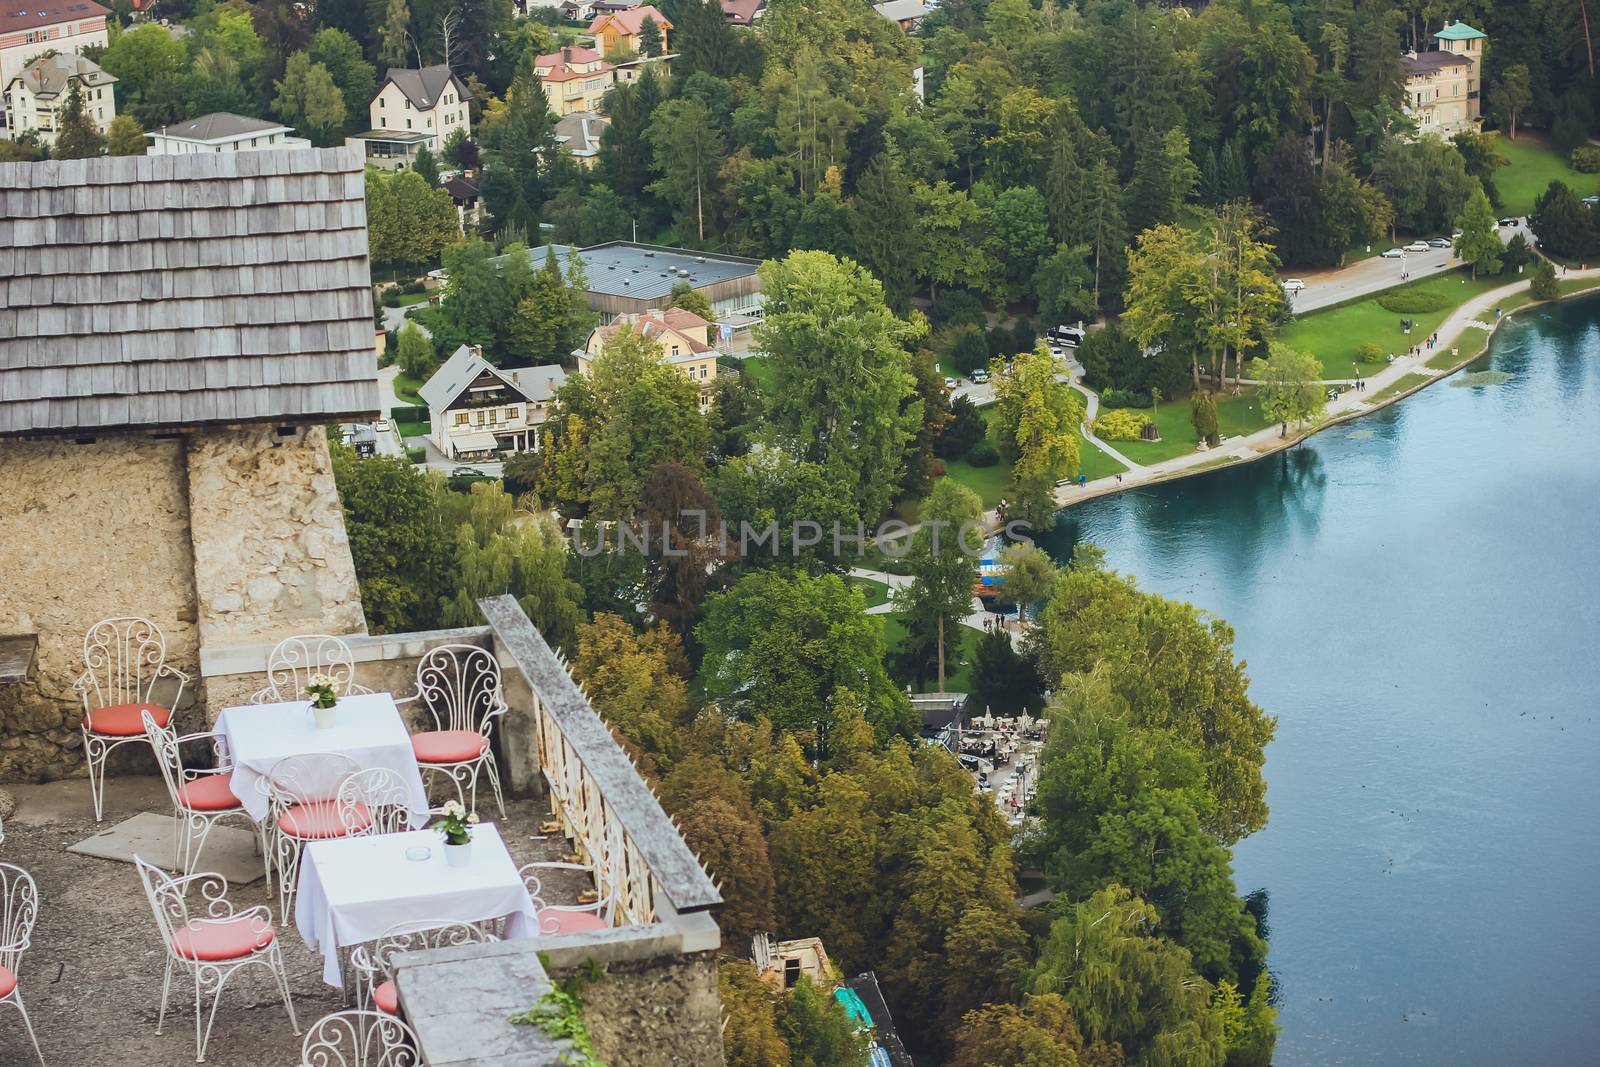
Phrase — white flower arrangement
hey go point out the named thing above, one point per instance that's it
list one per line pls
(323, 691)
(456, 822)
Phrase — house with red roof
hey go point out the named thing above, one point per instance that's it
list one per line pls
(30, 28)
(683, 336)
(617, 31)
(574, 79)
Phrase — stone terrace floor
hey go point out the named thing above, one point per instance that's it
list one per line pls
(92, 980)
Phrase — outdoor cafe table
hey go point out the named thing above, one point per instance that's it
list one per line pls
(367, 728)
(354, 889)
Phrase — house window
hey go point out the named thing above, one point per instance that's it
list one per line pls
(674, 349)
(702, 372)
(461, 418)
(408, 124)
(430, 124)
(511, 413)
(480, 417)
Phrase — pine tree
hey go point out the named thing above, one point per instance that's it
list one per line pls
(426, 168)
(76, 134)
(1479, 243)
(649, 37)
(884, 228)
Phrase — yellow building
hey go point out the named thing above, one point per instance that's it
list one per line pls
(574, 79)
(618, 31)
(684, 338)
(1444, 88)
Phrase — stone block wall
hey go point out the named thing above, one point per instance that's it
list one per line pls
(662, 1011)
(88, 531)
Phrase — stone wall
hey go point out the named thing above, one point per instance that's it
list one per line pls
(271, 555)
(89, 531)
(664, 1011)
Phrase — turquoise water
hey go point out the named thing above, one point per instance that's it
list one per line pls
(1416, 596)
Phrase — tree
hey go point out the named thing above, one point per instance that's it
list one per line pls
(790, 648)
(1030, 575)
(941, 561)
(1203, 416)
(77, 137)
(409, 221)
(649, 37)
(1127, 986)
(818, 1031)
(962, 346)
(950, 237)
(750, 1037)
(686, 296)
(1479, 243)
(1564, 224)
(1426, 181)
(1003, 682)
(1040, 1033)
(713, 812)
(1290, 385)
(426, 168)
(125, 137)
(414, 353)
(1064, 284)
(341, 54)
(498, 551)
(1195, 690)
(1021, 235)
(1162, 274)
(884, 228)
(308, 98)
(688, 151)
(400, 539)
(841, 380)
(1512, 92)
(1544, 286)
(144, 60)
(392, 34)
(1163, 178)
(1035, 430)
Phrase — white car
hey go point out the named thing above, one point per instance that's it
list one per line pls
(1417, 246)
(1293, 285)
(1392, 253)
(949, 383)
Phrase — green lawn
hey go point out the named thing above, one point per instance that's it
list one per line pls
(958, 661)
(1404, 383)
(988, 482)
(1095, 463)
(407, 299)
(1531, 166)
(875, 592)
(1236, 416)
(405, 388)
(412, 429)
(1334, 335)
(760, 371)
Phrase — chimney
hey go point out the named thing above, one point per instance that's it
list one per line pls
(566, 54)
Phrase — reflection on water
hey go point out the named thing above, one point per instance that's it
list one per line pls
(1416, 598)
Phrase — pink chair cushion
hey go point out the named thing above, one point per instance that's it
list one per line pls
(123, 720)
(319, 820)
(210, 793)
(448, 746)
(229, 940)
(556, 921)
(387, 998)
(8, 982)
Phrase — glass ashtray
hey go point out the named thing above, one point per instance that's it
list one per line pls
(418, 853)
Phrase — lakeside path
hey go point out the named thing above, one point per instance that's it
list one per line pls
(1349, 405)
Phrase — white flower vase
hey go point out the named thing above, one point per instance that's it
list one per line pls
(458, 855)
(325, 717)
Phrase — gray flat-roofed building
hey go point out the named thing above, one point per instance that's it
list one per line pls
(175, 291)
(627, 278)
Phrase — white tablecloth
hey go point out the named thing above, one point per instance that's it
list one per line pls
(367, 728)
(354, 889)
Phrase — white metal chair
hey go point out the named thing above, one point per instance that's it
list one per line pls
(294, 660)
(302, 805)
(123, 658)
(374, 801)
(19, 909)
(199, 797)
(214, 946)
(460, 686)
(360, 1039)
(373, 961)
(578, 918)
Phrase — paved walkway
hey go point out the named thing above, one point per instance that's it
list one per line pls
(1477, 313)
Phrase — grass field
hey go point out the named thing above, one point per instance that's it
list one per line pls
(405, 389)
(875, 592)
(407, 299)
(1095, 463)
(1394, 388)
(1531, 166)
(1333, 336)
(958, 660)
(1236, 416)
(988, 482)
(412, 429)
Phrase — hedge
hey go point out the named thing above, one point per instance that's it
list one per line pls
(408, 413)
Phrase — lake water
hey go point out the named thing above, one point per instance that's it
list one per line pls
(1416, 596)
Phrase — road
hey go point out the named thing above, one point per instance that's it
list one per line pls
(1376, 274)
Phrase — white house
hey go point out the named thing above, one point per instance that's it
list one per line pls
(222, 132)
(413, 110)
(478, 411)
(35, 96)
(30, 28)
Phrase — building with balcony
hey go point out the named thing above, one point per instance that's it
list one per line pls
(28, 30)
(574, 79)
(619, 32)
(1444, 87)
(35, 97)
(478, 411)
(222, 132)
(684, 338)
(413, 110)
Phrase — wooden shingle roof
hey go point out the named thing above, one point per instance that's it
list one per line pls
(181, 290)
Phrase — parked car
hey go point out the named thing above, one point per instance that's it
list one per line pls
(950, 383)
(980, 376)
(1392, 253)
(382, 426)
(1417, 246)
(1591, 200)
(1509, 222)
(1439, 242)
(1293, 285)
(465, 472)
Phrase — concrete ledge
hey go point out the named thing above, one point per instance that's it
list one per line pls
(365, 648)
(459, 1002)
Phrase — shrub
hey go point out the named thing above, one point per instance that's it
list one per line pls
(1544, 285)
(1124, 398)
(957, 306)
(962, 347)
(390, 297)
(1120, 424)
(965, 429)
(1413, 301)
(1203, 416)
(1367, 352)
(1586, 159)
(408, 413)
(983, 454)
(417, 455)
(1023, 337)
